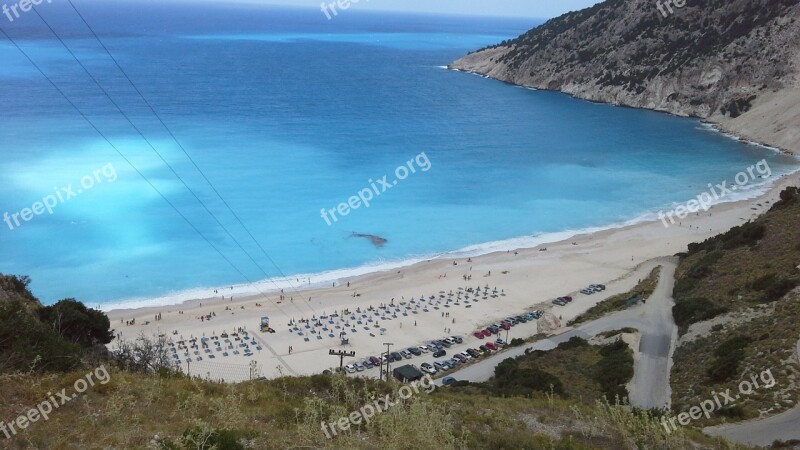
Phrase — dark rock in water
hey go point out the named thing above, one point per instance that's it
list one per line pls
(377, 241)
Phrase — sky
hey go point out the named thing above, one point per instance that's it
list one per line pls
(509, 8)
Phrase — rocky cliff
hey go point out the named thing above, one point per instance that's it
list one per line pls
(731, 62)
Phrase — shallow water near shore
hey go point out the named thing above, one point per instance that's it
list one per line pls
(289, 114)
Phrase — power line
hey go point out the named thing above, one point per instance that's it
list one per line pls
(141, 174)
(105, 138)
(172, 135)
(152, 147)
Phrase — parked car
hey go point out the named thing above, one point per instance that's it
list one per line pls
(587, 291)
(466, 355)
(406, 354)
(500, 342)
(504, 326)
(597, 287)
(439, 353)
(460, 357)
(447, 381)
(359, 367)
(458, 339)
(368, 364)
(474, 353)
(424, 348)
(454, 362)
(441, 365)
(450, 340)
(385, 359)
(415, 351)
(375, 360)
(491, 346)
(427, 368)
(559, 302)
(445, 344)
(567, 298)
(350, 368)
(396, 356)
(484, 349)
(478, 334)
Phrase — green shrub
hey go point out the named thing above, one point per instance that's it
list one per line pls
(727, 356)
(692, 310)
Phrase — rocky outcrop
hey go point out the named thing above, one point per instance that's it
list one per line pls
(732, 62)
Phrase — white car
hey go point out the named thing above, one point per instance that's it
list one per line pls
(350, 368)
(427, 368)
(450, 340)
(466, 355)
(423, 348)
(359, 367)
(406, 354)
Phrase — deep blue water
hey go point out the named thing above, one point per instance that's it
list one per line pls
(288, 113)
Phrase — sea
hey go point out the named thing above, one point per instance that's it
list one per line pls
(266, 147)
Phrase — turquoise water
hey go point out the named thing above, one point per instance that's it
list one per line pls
(287, 114)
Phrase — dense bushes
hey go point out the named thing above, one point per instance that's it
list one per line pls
(615, 370)
(691, 310)
(74, 322)
(45, 338)
(726, 358)
(28, 344)
(511, 379)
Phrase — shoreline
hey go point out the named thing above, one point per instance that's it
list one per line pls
(319, 280)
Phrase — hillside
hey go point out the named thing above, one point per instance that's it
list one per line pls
(732, 62)
(738, 309)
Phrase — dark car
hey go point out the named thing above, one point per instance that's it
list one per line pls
(439, 353)
(447, 381)
(484, 349)
(415, 351)
(396, 356)
(458, 339)
(375, 360)
(474, 353)
(446, 344)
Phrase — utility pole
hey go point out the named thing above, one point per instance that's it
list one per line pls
(387, 344)
(341, 354)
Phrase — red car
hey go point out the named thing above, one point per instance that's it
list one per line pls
(491, 346)
(478, 334)
(505, 326)
(487, 332)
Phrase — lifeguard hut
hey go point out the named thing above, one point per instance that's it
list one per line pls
(265, 328)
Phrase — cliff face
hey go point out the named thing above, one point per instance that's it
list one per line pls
(734, 62)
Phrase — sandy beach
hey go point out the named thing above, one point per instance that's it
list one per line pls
(524, 280)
